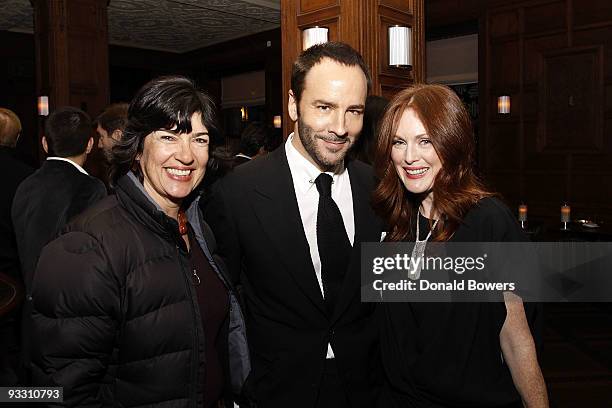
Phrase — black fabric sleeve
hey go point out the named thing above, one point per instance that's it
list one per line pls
(217, 214)
(76, 309)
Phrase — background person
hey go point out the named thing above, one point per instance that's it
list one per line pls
(447, 354)
(364, 149)
(252, 140)
(147, 314)
(13, 173)
(60, 190)
(109, 127)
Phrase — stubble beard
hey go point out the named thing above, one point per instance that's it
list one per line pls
(308, 138)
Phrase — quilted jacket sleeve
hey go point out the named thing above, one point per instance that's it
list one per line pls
(75, 319)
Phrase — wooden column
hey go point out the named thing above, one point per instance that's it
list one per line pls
(71, 40)
(364, 25)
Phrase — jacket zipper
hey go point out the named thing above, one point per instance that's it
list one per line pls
(196, 346)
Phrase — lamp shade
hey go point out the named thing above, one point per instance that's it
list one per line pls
(43, 105)
(400, 46)
(277, 121)
(312, 36)
(503, 104)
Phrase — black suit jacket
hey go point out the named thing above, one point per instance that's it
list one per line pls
(44, 203)
(255, 216)
(13, 173)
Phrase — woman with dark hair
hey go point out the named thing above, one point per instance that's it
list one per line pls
(131, 305)
(447, 354)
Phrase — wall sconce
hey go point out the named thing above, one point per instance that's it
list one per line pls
(277, 121)
(400, 46)
(503, 104)
(43, 105)
(312, 36)
(244, 114)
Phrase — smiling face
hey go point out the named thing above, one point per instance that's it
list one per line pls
(173, 164)
(414, 157)
(330, 112)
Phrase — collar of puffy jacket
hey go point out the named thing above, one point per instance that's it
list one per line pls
(133, 197)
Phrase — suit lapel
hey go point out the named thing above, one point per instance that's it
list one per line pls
(366, 230)
(277, 210)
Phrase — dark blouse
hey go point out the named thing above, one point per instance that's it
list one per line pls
(448, 354)
(214, 305)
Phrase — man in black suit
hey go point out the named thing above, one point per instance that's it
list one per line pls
(289, 226)
(252, 141)
(13, 172)
(58, 191)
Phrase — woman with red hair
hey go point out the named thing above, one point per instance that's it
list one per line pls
(447, 354)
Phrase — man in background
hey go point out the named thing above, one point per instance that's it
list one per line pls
(13, 173)
(109, 127)
(59, 190)
(252, 142)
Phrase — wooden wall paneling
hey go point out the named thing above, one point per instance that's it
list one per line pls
(306, 6)
(571, 100)
(399, 5)
(597, 36)
(290, 43)
(505, 60)
(509, 183)
(532, 51)
(534, 160)
(503, 150)
(72, 41)
(545, 17)
(418, 42)
(503, 24)
(591, 12)
(584, 193)
(561, 103)
(546, 186)
(411, 15)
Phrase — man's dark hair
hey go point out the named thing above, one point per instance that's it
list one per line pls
(163, 103)
(337, 51)
(67, 131)
(252, 138)
(113, 117)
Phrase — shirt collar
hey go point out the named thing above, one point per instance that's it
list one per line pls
(79, 168)
(303, 171)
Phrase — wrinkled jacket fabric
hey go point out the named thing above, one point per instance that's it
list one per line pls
(115, 315)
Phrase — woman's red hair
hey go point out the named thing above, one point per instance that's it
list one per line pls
(456, 187)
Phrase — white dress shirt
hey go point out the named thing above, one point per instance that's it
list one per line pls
(79, 168)
(304, 173)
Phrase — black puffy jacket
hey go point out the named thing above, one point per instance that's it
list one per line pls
(116, 320)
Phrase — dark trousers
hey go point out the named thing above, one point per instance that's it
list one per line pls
(331, 391)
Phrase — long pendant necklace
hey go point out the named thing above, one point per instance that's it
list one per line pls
(418, 251)
(195, 279)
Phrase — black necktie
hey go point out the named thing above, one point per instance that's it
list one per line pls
(332, 241)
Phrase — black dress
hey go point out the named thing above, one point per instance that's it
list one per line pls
(448, 354)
